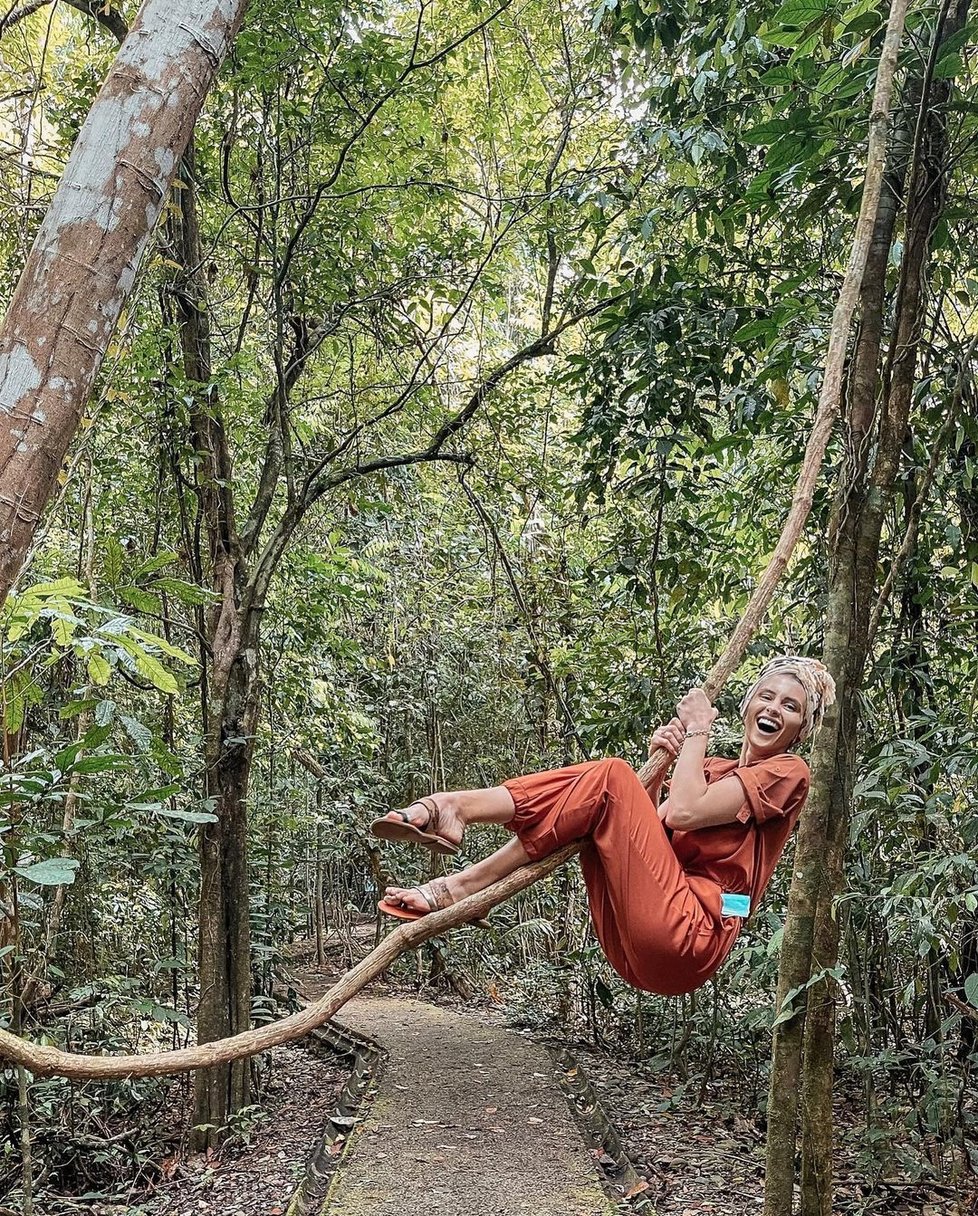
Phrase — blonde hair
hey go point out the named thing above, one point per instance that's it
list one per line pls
(814, 678)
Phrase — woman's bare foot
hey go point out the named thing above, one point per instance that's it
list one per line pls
(443, 892)
(438, 821)
(439, 893)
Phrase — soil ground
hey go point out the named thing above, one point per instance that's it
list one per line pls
(257, 1175)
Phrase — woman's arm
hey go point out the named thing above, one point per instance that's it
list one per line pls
(692, 803)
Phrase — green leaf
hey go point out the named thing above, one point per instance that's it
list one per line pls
(53, 872)
(949, 65)
(100, 764)
(156, 673)
(971, 989)
(95, 736)
(170, 812)
(62, 587)
(754, 329)
(14, 703)
(99, 670)
(63, 623)
(186, 593)
(766, 132)
(800, 12)
(141, 600)
(151, 564)
(174, 652)
(114, 562)
(140, 734)
(788, 1010)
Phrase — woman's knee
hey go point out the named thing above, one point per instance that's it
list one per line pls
(617, 772)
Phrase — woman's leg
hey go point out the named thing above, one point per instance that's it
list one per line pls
(545, 811)
(652, 926)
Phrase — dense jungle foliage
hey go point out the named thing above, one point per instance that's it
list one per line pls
(513, 323)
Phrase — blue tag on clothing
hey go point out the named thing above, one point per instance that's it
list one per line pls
(735, 905)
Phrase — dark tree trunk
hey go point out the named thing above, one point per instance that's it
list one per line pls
(233, 646)
(225, 934)
(798, 950)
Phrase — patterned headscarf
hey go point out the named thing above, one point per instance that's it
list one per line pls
(812, 675)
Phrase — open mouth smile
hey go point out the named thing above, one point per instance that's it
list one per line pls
(768, 726)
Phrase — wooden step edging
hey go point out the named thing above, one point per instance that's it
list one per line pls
(365, 1057)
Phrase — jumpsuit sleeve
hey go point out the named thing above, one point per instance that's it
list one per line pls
(772, 789)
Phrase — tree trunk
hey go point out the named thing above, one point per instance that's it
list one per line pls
(797, 946)
(318, 902)
(224, 929)
(853, 575)
(967, 926)
(83, 264)
(224, 942)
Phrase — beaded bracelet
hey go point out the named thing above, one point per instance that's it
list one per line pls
(691, 733)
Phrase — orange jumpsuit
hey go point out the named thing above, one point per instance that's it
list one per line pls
(655, 894)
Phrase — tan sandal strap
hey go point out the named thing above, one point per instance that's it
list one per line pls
(431, 807)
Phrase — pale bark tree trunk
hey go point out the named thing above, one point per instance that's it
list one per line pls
(82, 267)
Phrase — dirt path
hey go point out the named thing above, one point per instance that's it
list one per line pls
(467, 1120)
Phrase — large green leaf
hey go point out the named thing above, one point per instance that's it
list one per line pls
(52, 872)
(149, 666)
(99, 670)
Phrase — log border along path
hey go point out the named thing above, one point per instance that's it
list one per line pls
(467, 1118)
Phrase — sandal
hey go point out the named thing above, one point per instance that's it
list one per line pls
(389, 829)
(435, 894)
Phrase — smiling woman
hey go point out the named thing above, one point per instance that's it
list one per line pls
(669, 880)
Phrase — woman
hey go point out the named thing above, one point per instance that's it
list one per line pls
(668, 886)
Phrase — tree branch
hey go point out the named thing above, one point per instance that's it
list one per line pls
(961, 1006)
(16, 15)
(539, 653)
(306, 343)
(412, 65)
(104, 14)
(291, 518)
(98, 10)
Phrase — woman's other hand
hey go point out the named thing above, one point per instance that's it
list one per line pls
(695, 710)
(668, 737)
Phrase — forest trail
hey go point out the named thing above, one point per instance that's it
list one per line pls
(467, 1118)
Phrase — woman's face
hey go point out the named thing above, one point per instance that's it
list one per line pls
(774, 716)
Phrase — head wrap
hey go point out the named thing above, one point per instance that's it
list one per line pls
(812, 675)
